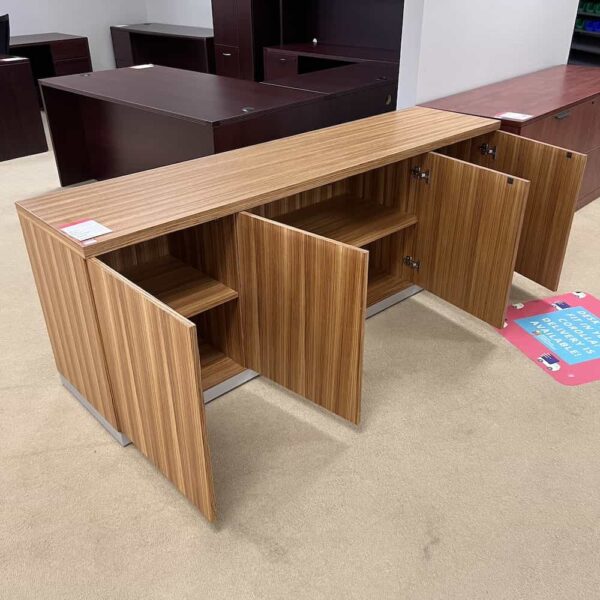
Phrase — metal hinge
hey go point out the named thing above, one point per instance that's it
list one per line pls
(418, 173)
(409, 261)
(488, 150)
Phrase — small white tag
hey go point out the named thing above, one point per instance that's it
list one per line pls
(513, 116)
(10, 59)
(142, 67)
(85, 230)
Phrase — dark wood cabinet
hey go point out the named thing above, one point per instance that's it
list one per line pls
(53, 54)
(246, 26)
(21, 129)
(347, 31)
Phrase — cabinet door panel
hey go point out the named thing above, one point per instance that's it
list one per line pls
(225, 22)
(469, 222)
(154, 367)
(556, 176)
(303, 301)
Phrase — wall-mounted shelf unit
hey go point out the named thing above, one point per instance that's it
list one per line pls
(585, 47)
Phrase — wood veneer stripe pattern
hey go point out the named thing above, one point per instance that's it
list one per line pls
(66, 296)
(555, 175)
(467, 237)
(303, 301)
(145, 205)
(154, 365)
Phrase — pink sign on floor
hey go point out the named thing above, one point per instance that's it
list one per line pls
(561, 335)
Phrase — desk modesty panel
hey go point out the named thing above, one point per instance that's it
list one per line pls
(236, 262)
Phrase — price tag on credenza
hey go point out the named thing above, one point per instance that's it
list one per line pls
(514, 116)
(85, 229)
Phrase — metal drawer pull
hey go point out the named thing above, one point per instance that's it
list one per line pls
(226, 53)
(283, 60)
(562, 115)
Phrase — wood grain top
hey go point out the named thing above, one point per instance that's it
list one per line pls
(538, 94)
(145, 205)
(165, 29)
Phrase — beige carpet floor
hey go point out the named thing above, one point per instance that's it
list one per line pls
(473, 475)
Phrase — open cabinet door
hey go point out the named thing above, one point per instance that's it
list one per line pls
(154, 367)
(555, 175)
(303, 301)
(466, 238)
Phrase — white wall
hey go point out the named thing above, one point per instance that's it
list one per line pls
(91, 18)
(468, 43)
(197, 13)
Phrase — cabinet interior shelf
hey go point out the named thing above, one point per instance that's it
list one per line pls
(585, 48)
(185, 289)
(350, 220)
(588, 33)
(383, 285)
(215, 366)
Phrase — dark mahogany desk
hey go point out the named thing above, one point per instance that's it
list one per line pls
(178, 46)
(563, 105)
(21, 129)
(113, 123)
(53, 54)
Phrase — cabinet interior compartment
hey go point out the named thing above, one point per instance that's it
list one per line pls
(387, 273)
(194, 272)
(220, 344)
(374, 210)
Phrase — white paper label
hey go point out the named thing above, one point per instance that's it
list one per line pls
(85, 230)
(513, 116)
(142, 67)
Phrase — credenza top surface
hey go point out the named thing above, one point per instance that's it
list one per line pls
(537, 94)
(145, 205)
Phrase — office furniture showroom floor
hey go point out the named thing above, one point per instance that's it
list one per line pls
(473, 474)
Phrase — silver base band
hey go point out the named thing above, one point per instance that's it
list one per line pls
(120, 437)
(230, 384)
(395, 299)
